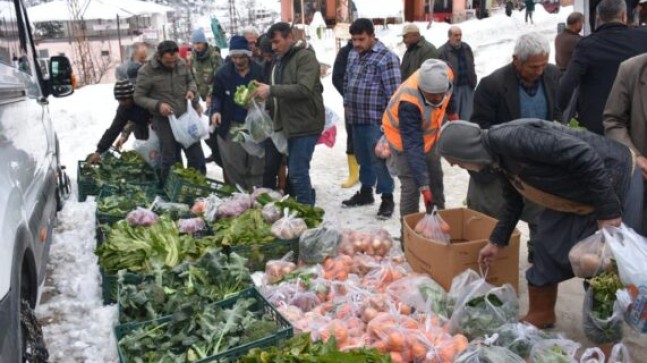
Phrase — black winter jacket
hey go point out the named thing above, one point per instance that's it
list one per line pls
(339, 67)
(137, 115)
(576, 165)
(593, 68)
(222, 96)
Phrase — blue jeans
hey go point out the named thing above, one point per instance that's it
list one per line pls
(300, 150)
(371, 169)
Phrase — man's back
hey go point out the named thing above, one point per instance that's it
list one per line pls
(565, 44)
(594, 66)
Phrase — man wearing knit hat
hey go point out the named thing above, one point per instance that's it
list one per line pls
(240, 167)
(205, 60)
(126, 111)
(412, 122)
(582, 180)
(164, 84)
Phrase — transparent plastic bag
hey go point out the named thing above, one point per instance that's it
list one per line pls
(457, 288)
(337, 268)
(482, 308)
(271, 213)
(273, 194)
(142, 217)
(317, 244)
(421, 293)
(554, 350)
(235, 205)
(277, 270)
(252, 147)
(289, 227)
(593, 355)
(211, 205)
(159, 204)
(481, 353)
(380, 278)
(630, 252)
(520, 337)
(382, 148)
(258, 122)
(590, 256)
(191, 225)
(374, 243)
(149, 149)
(280, 141)
(433, 227)
(601, 330)
(619, 354)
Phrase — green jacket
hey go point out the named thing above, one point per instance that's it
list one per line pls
(297, 92)
(156, 84)
(415, 55)
(204, 68)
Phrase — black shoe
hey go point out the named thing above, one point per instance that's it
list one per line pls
(363, 197)
(386, 208)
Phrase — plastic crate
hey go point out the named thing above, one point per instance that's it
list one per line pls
(110, 190)
(284, 332)
(258, 255)
(109, 284)
(180, 190)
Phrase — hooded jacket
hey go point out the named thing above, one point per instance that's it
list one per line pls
(297, 91)
(157, 84)
(572, 164)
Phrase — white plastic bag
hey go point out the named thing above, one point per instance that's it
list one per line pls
(593, 355)
(252, 147)
(630, 251)
(619, 354)
(149, 149)
(554, 350)
(188, 128)
(590, 256)
(280, 141)
(433, 227)
(258, 122)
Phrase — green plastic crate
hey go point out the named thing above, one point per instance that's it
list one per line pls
(284, 333)
(258, 255)
(110, 190)
(109, 284)
(180, 190)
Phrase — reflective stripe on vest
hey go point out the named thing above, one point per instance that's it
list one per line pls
(432, 118)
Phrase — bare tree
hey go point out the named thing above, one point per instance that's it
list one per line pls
(81, 46)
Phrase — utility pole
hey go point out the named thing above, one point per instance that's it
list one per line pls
(82, 53)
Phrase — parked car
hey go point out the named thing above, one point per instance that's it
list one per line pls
(33, 184)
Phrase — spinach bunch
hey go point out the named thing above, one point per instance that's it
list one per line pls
(129, 168)
(210, 278)
(121, 204)
(248, 229)
(313, 216)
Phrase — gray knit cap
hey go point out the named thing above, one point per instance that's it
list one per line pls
(463, 141)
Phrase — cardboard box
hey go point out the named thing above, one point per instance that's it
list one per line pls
(470, 231)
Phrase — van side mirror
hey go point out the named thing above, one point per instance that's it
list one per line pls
(61, 78)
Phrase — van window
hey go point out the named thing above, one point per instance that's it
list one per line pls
(9, 41)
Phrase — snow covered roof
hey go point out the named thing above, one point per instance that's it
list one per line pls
(57, 10)
(386, 9)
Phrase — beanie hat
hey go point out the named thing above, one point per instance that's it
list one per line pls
(124, 90)
(434, 76)
(198, 36)
(463, 141)
(238, 45)
(167, 46)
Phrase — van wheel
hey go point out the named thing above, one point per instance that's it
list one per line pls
(33, 344)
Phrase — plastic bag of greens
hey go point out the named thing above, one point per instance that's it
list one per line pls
(593, 355)
(483, 308)
(258, 122)
(421, 293)
(619, 354)
(520, 337)
(554, 351)
(590, 256)
(602, 318)
(482, 353)
(316, 244)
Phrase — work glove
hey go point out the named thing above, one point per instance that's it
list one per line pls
(427, 198)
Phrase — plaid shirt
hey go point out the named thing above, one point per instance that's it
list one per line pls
(370, 81)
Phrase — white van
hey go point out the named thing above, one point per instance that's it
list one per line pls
(33, 184)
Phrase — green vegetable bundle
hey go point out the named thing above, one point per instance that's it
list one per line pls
(120, 202)
(301, 349)
(554, 351)
(247, 229)
(602, 321)
(520, 337)
(129, 168)
(190, 175)
(196, 332)
(243, 94)
(146, 249)
(212, 277)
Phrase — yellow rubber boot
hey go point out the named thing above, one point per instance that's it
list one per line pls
(353, 172)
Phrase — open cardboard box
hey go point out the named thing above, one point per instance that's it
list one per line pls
(470, 231)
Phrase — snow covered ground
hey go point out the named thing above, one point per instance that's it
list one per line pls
(79, 329)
